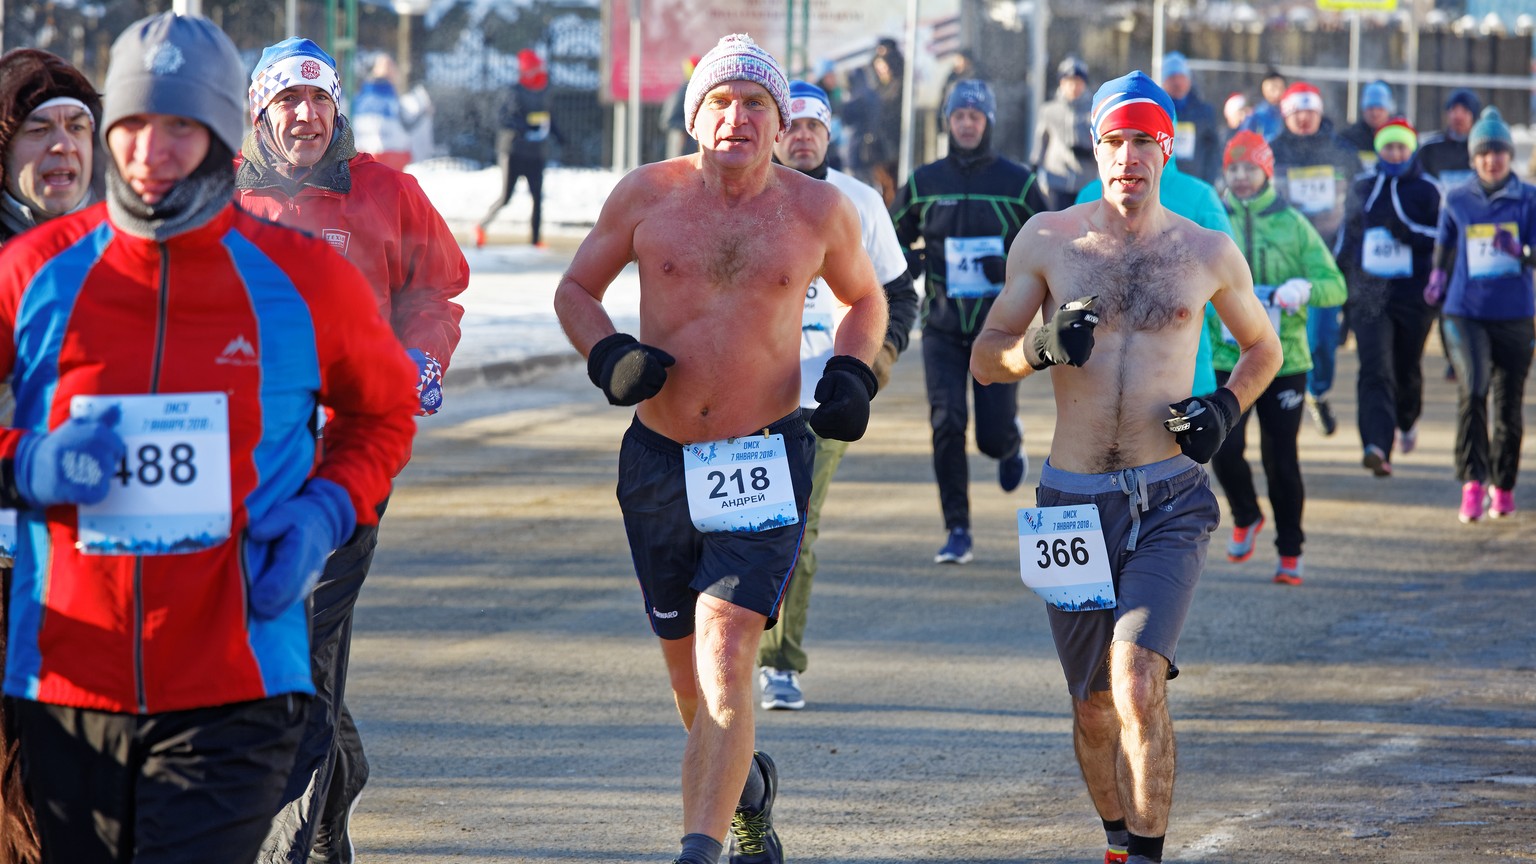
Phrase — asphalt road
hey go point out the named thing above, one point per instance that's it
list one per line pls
(515, 705)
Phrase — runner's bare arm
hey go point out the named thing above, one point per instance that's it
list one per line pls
(607, 249)
(1238, 308)
(849, 273)
(997, 356)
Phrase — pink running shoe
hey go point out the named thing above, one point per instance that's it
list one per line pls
(1407, 441)
(1471, 501)
(1503, 503)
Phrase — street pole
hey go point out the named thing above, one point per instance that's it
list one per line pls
(1039, 64)
(1157, 39)
(908, 80)
(1354, 66)
(633, 120)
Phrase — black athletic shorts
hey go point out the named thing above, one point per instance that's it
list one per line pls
(675, 561)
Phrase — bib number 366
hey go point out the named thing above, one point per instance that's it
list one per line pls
(1062, 558)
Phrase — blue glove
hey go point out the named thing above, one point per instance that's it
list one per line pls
(73, 464)
(285, 549)
(429, 382)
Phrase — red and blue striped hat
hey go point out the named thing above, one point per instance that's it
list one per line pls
(1134, 101)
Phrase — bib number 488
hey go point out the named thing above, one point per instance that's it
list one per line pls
(152, 467)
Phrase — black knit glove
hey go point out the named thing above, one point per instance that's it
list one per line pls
(843, 394)
(1201, 423)
(1066, 338)
(627, 371)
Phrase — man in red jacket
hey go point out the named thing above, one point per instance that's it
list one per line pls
(299, 168)
(168, 354)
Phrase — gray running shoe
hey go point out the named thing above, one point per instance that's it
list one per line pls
(781, 689)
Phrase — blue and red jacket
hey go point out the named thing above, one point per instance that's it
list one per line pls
(271, 318)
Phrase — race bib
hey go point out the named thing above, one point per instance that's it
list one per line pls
(1312, 188)
(1062, 557)
(171, 493)
(1384, 255)
(7, 533)
(1264, 293)
(1184, 140)
(1484, 261)
(963, 273)
(538, 126)
(1368, 160)
(739, 484)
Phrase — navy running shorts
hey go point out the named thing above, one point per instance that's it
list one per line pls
(1155, 554)
(675, 561)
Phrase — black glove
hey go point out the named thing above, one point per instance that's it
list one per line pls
(843, 394)
(1066, 338)
(995, 268)
(625, 370)
(1201, 423)
(915, 260)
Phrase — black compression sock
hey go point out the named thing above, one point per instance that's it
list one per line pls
(1145, 848)
(1115, 834)
(700, 849)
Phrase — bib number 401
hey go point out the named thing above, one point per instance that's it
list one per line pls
(152, 469)
(1061, 553)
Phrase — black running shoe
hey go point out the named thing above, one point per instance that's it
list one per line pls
(752, 838)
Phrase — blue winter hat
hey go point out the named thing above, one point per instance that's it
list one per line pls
(290, 63)
(1175, 63)
(808, 100)
(1378, 94)
(1490, 132)
(1466, 99)
(972, 93)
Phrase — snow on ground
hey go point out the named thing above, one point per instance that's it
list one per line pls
(508, 308)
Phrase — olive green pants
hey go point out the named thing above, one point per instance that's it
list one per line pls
(782, 647)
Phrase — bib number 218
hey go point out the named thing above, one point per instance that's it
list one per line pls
(757, 479)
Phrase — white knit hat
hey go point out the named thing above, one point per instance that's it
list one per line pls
(737, 58)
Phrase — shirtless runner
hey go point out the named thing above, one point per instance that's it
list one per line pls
(1124, 280)
(726, 244)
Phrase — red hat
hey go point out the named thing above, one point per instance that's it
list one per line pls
(530, 70)
(1249, 146)
(1301, 96)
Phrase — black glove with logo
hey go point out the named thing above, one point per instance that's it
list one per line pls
(1201, 423)
(1066, 338)
(995, 268)
(627, 371)
(843, 394)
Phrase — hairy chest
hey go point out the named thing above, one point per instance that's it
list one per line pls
(1138, 289)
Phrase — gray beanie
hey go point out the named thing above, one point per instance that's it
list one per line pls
(180, 65)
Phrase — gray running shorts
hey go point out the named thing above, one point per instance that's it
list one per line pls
(1156, 555)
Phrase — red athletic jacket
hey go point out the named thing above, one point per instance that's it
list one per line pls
(272, 319)
(381, 220)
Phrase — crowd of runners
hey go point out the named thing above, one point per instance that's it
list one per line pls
(218, 320)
